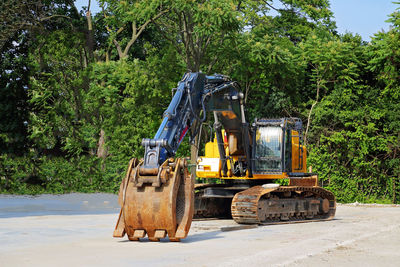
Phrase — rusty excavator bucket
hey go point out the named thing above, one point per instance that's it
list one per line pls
(156, 202)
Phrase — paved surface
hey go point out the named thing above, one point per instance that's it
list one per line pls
(76, 230)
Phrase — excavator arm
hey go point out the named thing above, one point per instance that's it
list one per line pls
(157, 194)
(195, 95)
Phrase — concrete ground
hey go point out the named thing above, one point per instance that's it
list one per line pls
(76, 230)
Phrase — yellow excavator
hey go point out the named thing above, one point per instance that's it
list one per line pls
(159, 197)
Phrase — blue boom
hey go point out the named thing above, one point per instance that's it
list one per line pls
(195, 95)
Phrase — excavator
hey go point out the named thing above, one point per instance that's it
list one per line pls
(159, 197)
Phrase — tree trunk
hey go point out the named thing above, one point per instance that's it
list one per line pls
(309, 114)
(101, 145)
(90, 36)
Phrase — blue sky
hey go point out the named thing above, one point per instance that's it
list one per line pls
(364, 17)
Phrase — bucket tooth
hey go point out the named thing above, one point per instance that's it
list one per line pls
(160, 234)
(120, 227)
(139, 233)
(180, 234)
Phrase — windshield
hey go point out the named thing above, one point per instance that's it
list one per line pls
(268, 149)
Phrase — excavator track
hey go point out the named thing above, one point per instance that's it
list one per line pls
(283, 204)
(156, 202)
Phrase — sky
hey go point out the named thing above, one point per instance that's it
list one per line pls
(364, 17)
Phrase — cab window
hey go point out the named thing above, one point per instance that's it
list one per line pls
(268, 149)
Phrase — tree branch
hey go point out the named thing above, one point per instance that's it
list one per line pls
(277, 10)
(120, 54)
(136, 32)
(309, 114)
(53, 16)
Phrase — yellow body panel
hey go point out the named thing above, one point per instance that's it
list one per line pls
(299, 154)
(212, 149)
(206, 174)
(209, 166)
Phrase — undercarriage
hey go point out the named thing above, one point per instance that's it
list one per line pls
(264, 204)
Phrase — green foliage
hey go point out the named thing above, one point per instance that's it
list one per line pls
(14, 79)
(57, 86)
(356, 132)
(14, 174)
(23, 175)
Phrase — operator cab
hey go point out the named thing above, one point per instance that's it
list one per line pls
(277, 146)
(276, 153)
